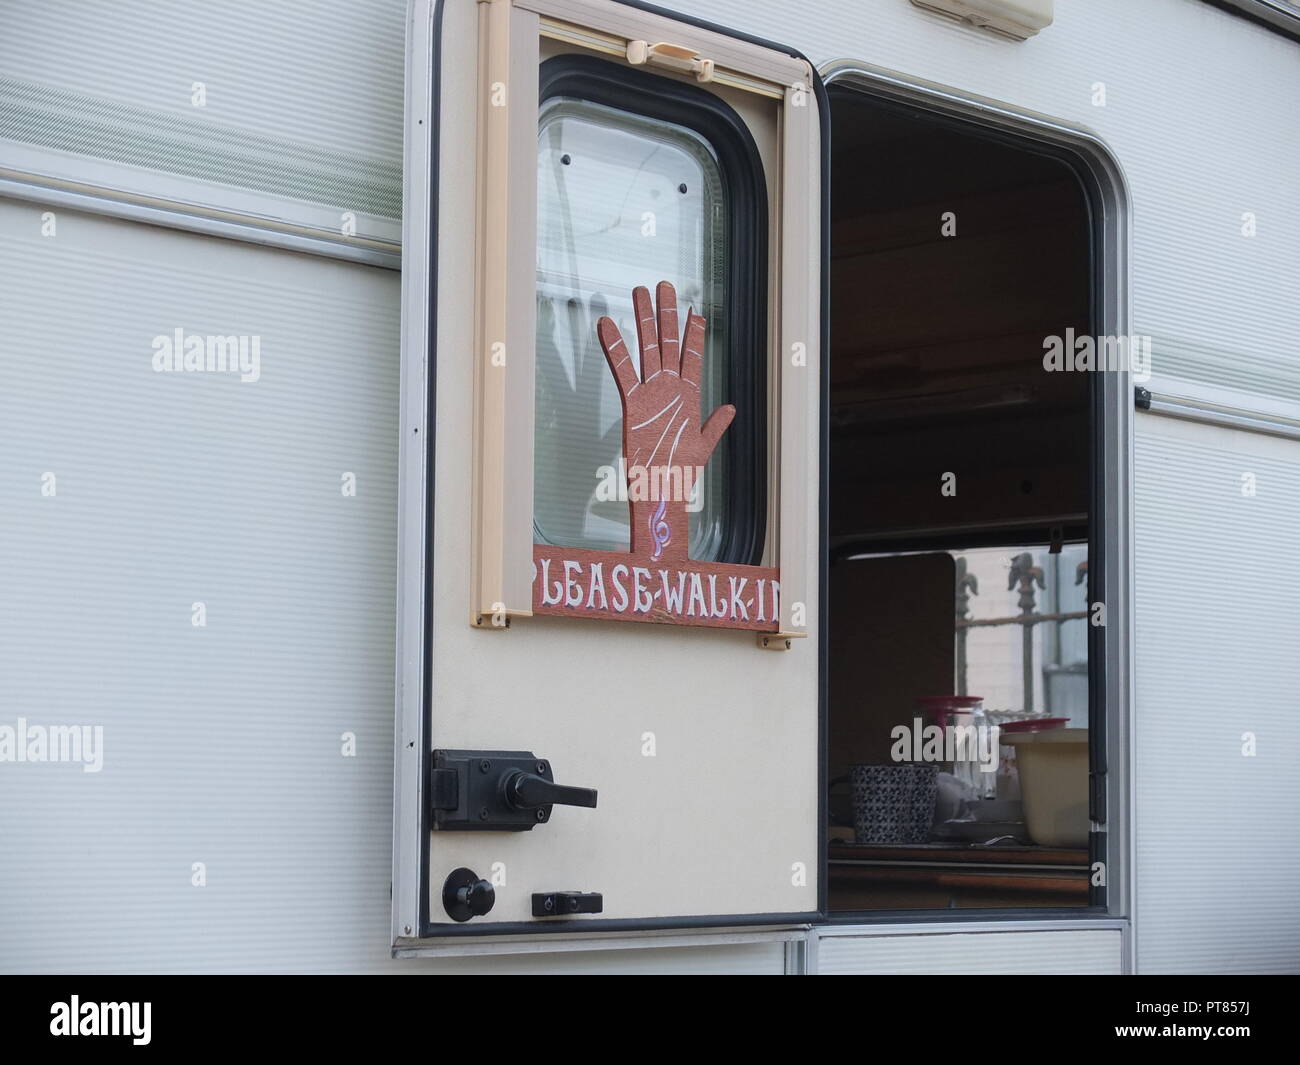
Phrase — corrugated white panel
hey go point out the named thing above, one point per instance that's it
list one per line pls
(1095, 951)
(1218, 634)
(738, 959)
(222, 744)
(302, 99)
(1199, 108)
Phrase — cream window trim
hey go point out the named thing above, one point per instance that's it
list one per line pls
(506, 326)
(798, 355)
(729, 54)
(505, 312)
(613, 44)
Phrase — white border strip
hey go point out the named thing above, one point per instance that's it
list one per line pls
(180, 202)
(536, 943)
(408, 727)
(1217, 405)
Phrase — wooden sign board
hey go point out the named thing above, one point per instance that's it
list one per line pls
(626, 587)
(664, 443)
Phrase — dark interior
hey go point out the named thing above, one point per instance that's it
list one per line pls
(936, 366)
(937, 341)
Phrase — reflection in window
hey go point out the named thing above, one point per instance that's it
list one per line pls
(1022, 630)
(622, 201)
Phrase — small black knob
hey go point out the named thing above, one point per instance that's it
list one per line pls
(465, 894)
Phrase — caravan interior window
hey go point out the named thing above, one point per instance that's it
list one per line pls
(670, 192)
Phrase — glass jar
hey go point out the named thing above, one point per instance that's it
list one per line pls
(970, 743)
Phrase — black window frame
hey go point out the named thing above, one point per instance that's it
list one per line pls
(663, 99)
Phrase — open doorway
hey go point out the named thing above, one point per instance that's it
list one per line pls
(963, 516)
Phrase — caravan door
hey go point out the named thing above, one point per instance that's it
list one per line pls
(609, 703)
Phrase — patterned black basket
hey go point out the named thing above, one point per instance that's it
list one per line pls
(893, 803)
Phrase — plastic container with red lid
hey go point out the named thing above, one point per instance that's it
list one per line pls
(936, 704)
(1034, 724)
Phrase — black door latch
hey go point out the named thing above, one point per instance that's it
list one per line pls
(497, 791)
(566, 903)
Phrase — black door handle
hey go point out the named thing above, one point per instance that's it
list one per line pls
(496, 791)
(527, 791)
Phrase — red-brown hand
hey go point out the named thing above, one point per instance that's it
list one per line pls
(662, 432)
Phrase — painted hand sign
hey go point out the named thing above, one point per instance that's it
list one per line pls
(666, 446)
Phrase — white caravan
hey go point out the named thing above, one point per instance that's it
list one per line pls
(573, 486)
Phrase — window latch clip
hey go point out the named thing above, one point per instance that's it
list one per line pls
(671, 56)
